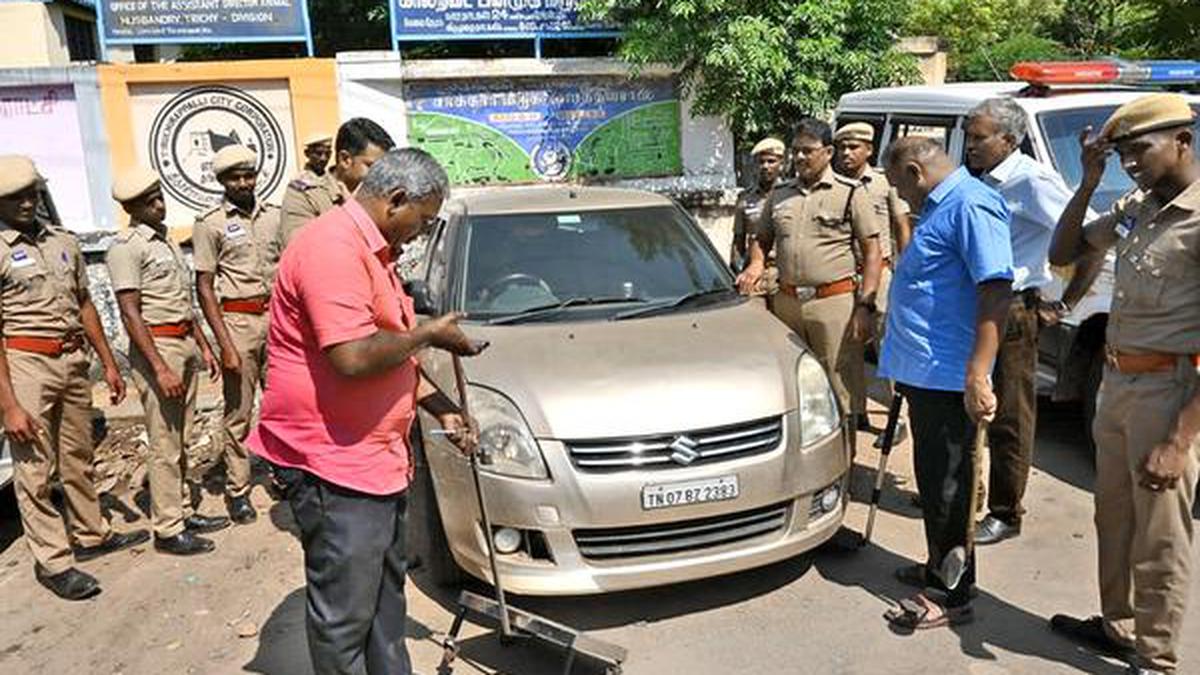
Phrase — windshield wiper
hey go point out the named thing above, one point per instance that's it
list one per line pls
(669, 305)
(542, 310)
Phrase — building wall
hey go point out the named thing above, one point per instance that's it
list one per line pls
(29, 36)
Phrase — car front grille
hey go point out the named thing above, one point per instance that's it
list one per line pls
(674, 450)
(681, 536)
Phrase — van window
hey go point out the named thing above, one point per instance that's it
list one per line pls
(938, 128)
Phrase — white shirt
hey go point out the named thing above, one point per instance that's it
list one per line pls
(1037, 196)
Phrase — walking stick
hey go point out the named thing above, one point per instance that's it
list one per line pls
(954, 564)
(889, 438)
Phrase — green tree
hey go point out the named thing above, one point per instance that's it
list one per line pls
(762, 63)
(993, 62)
(971, 29)
(1102, 28)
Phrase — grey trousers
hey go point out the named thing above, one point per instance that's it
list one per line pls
(354, 563)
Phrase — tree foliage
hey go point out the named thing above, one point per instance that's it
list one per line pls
(762, 63)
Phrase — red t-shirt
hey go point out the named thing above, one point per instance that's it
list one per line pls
(336, 284)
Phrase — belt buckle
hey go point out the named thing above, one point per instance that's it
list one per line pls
(806, 293)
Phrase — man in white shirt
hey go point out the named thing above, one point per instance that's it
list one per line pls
(1036, 195)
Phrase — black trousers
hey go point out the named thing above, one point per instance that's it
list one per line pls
(943, 442)
(354, 564)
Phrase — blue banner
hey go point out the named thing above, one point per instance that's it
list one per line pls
(430, 19)
(531, 130)
(184, 21)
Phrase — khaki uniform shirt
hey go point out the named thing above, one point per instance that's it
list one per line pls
(814, 228)
(145, 261)
(887, 204)
(307, 197)
(1156, 301)
(241, 249)
(747, 215)
(43, 280)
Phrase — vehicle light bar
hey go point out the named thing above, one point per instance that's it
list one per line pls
(1107, 72)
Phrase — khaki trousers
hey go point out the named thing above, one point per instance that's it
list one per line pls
(1011, 434)
(856, 367)
(822, 324)
(249, 335)
(56, 391)
(1144, 537)
(169, 426)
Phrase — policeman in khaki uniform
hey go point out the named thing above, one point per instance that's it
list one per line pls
(1148, 413)
(816, 218)
(854, 143)
(359, 143)
(769, 156)
(167, 350)
(45, 393)
(235, 246)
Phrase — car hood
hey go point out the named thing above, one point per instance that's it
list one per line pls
(660, 374)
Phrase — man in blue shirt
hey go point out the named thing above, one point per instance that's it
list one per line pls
(949, 300)
(1036, 196)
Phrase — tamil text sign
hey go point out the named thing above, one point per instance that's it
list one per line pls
(426, 19)
(181, 21)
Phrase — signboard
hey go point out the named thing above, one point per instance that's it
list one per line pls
(42, 121)
(521, 130)
(471, 19)
(181, 128)
(183, 21)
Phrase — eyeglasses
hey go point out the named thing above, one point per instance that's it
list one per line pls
(806, 150)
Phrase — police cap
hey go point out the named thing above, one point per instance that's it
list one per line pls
(1152, 112)
(134, 183)
(234, 157)
(17, 172)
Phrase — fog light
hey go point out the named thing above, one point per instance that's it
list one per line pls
(506, 540)
(830, 499)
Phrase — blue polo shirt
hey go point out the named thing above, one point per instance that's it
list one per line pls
(961, 240)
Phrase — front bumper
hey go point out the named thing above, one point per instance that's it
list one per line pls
(574, 502)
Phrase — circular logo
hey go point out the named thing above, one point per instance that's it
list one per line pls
(194, 125)
(551, 159)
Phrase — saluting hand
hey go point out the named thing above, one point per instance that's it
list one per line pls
(19, 425)
(116, 385)
(1094, 151)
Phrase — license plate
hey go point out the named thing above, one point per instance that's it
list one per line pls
(692, 492)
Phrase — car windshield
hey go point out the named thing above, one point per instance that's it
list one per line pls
(601, 262)
(1061, 130)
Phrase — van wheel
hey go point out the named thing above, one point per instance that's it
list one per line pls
(1091, 390)
(426, 524)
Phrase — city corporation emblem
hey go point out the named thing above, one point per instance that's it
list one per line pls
(194, 125)
(551, 159)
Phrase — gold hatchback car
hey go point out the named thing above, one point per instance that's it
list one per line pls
(647, 424)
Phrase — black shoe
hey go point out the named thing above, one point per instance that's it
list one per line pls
(901, 434)
(69, 585)
(184, 543)
(198, 524)
(241, 511)
(992, 530)
(115, 542)
(864, 424)
(1090, 633)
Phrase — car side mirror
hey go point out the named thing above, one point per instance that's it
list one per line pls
(422, 298)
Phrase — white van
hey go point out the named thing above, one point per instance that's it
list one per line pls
(1071, 353)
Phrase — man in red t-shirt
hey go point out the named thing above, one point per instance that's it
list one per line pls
(340, 400)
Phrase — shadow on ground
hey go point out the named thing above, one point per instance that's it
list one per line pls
(998, 624)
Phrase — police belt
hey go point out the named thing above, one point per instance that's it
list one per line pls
(255, 305)
(44, 345)
(1152, 362)
(839, 287)
(178, 329)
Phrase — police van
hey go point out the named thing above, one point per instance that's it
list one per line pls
(1060, 99)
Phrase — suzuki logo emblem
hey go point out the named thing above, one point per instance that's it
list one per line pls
(683, 450)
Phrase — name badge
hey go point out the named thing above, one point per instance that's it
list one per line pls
(234, 230)
(1125, 227)
(21, 259)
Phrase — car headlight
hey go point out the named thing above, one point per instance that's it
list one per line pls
(504, 436)
(818, 406)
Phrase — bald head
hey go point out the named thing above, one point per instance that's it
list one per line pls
(915, 165)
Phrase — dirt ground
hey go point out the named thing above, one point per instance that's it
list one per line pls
(241, 609)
